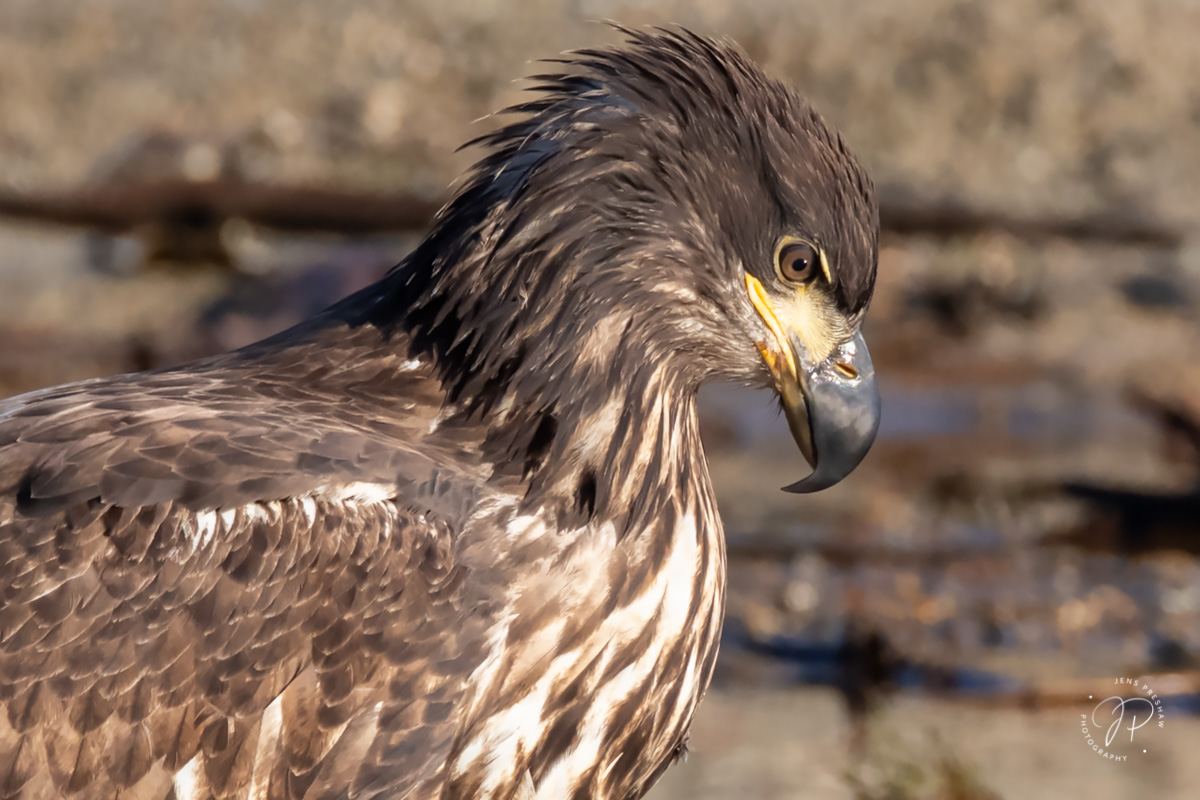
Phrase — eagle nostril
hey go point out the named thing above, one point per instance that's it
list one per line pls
(845, 370)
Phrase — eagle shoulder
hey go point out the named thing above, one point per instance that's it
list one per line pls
(211, 591)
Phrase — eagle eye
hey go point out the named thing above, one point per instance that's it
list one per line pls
(797, 262)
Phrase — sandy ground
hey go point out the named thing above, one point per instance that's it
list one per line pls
(778, 745)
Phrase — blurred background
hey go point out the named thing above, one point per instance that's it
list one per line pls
(186, 176)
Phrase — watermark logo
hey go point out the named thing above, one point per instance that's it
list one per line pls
(1121, 725)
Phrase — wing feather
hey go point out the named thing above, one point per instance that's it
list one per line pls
(190, 607)
(121, 673)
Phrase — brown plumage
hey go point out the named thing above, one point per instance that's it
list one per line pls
(455, 536)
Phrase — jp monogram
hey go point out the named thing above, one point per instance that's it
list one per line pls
(1118, 725)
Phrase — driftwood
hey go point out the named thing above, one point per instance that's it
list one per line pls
(1085, 692)
(1133, 521)
(127, 205)
(119, 207)
(865, 665)
(782, 549)
(955, 219)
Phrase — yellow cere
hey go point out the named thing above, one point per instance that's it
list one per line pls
(808, 311)
(758, 296)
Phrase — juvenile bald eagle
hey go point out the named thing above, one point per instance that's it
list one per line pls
(455, 536)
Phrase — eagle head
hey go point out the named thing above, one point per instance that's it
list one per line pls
(658, 214)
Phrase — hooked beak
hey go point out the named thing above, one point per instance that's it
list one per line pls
(832, 406)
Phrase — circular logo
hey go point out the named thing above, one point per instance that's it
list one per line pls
(1122, 725)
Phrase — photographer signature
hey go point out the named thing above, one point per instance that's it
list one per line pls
(1118, 710)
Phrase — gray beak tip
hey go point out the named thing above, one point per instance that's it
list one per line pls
(806, 486)
(842, 420)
